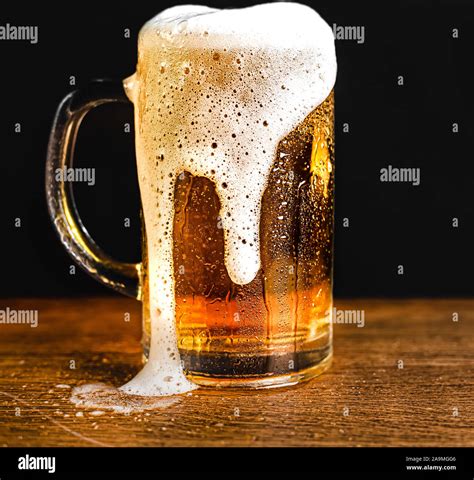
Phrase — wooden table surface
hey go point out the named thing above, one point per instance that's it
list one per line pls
(365, 399)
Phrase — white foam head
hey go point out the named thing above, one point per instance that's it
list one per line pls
(215, 92)
(270, 25)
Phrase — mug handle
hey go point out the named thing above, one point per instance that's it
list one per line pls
(123, 277)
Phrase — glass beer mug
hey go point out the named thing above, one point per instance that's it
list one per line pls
(236, 177)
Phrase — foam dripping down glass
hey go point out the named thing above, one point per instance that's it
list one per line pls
(234, 114)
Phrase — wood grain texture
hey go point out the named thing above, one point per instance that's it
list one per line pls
(365, 399)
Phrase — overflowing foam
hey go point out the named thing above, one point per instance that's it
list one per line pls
(214, 93)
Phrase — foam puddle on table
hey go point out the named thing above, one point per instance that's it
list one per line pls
(99, 397)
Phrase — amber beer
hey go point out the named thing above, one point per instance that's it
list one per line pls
(279, 325)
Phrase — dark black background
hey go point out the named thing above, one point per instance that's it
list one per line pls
(390, 224)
